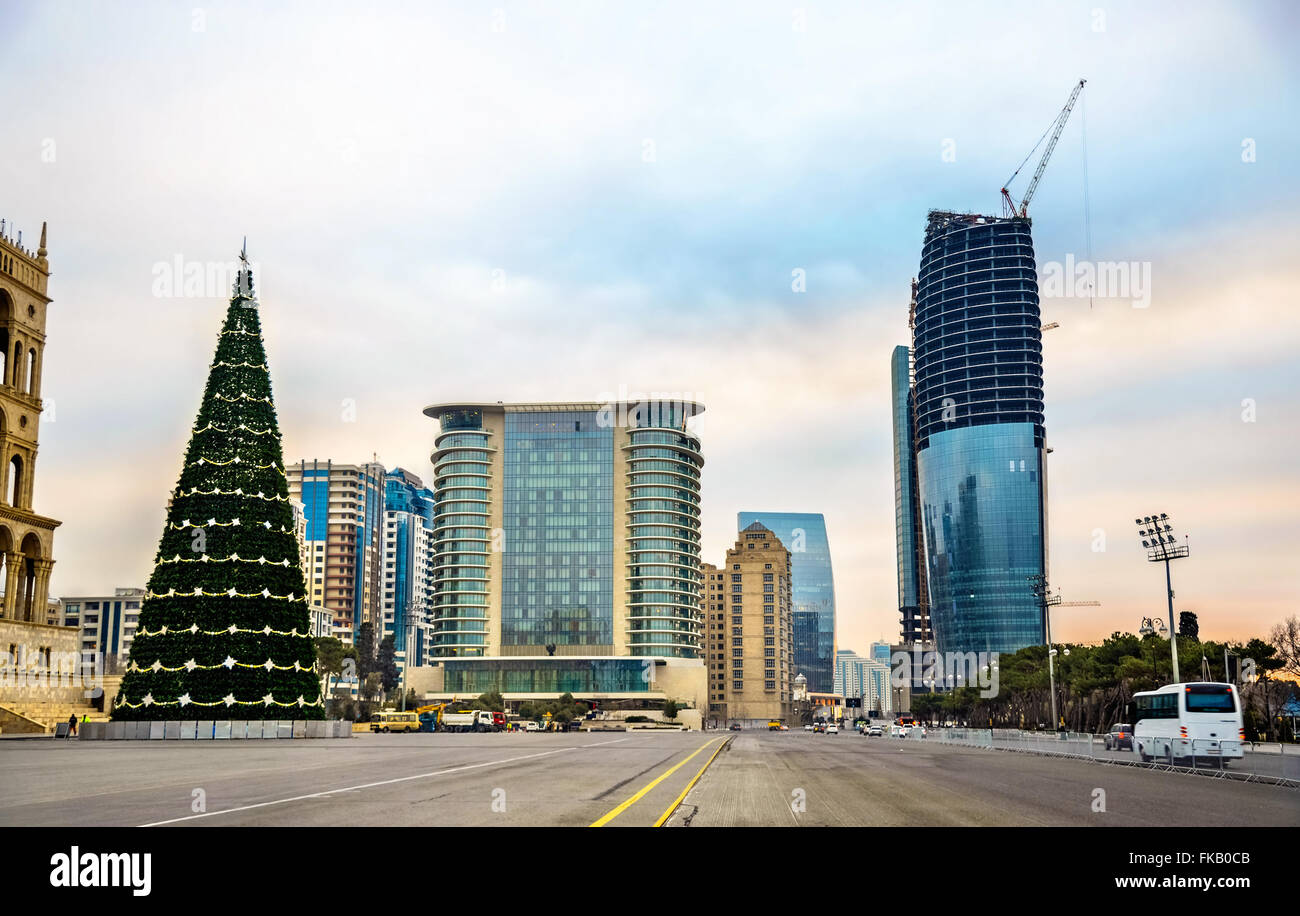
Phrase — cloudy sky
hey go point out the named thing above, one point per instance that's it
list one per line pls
(549, 201)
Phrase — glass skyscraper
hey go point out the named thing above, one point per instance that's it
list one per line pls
(812, 591)
(913, 596)
(567, 529)
(408, 564)
(979, 437)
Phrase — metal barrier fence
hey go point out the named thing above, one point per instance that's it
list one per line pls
(1275, 763)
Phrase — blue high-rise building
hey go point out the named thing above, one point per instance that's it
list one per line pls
(979, 434)
(408, 565)
(812, 591)
(913, 600)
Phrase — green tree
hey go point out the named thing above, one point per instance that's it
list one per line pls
(332, 656)
(670, 710)
(366, 655)
(492, 700)
(1188, 628)
(1263, 656)
(386, 665)
(224, 631)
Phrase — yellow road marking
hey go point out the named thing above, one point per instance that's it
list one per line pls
(658, 779)
(663, 818)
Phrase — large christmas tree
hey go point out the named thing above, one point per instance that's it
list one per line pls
(224, 630)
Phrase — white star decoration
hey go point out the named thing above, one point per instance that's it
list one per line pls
(184, 699)
(191, 665)
(268, 699)
(229, 699)
(148, 699)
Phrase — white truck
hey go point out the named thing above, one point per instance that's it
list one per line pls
(474, 720)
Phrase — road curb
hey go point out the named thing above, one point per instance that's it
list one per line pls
(677, 803)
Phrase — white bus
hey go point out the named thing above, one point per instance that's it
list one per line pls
(1183, 722)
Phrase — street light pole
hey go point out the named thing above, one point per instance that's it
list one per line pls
(1042, 591)
(1157, 535)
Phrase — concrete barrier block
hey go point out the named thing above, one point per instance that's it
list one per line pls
(157, 730)
(284, 728)
(315, 728)
(143, 731)
(172, 730)
(299, 728)
(92, 731)
(270, 728)
(117, 730)
(188, 730)
(221, 729)
(205, 729)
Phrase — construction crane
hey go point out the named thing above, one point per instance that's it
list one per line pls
(1079, 604)
(1009, 207)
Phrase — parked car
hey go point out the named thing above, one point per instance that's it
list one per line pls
(532, 727)
(735, 726)
(874, 731)
(1120, 738)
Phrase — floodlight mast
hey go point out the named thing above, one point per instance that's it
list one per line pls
(1157, 533)
(1043, 592)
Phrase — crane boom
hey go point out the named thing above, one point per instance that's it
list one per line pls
(1022, 211)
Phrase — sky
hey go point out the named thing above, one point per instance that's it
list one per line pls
(532, 201)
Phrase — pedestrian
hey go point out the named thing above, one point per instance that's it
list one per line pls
(72, 725)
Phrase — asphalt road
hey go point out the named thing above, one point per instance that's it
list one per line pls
(611, 779)
(572, 779)
(801, 779)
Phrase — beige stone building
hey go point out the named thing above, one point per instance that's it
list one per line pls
(31, 649)
(750, 631)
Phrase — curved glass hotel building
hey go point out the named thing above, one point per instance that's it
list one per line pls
(978, 434)
(568, 534)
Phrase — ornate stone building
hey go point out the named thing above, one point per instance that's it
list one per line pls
(26, 538)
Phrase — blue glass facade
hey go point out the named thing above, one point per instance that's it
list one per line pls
(981, 492)
(812, 591)
(913, 601)
(408, 504)
(547, 675)
(558, 513)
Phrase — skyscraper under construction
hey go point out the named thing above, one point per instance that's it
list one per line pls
(973, 412)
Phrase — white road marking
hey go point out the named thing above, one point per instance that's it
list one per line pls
(371, 785)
